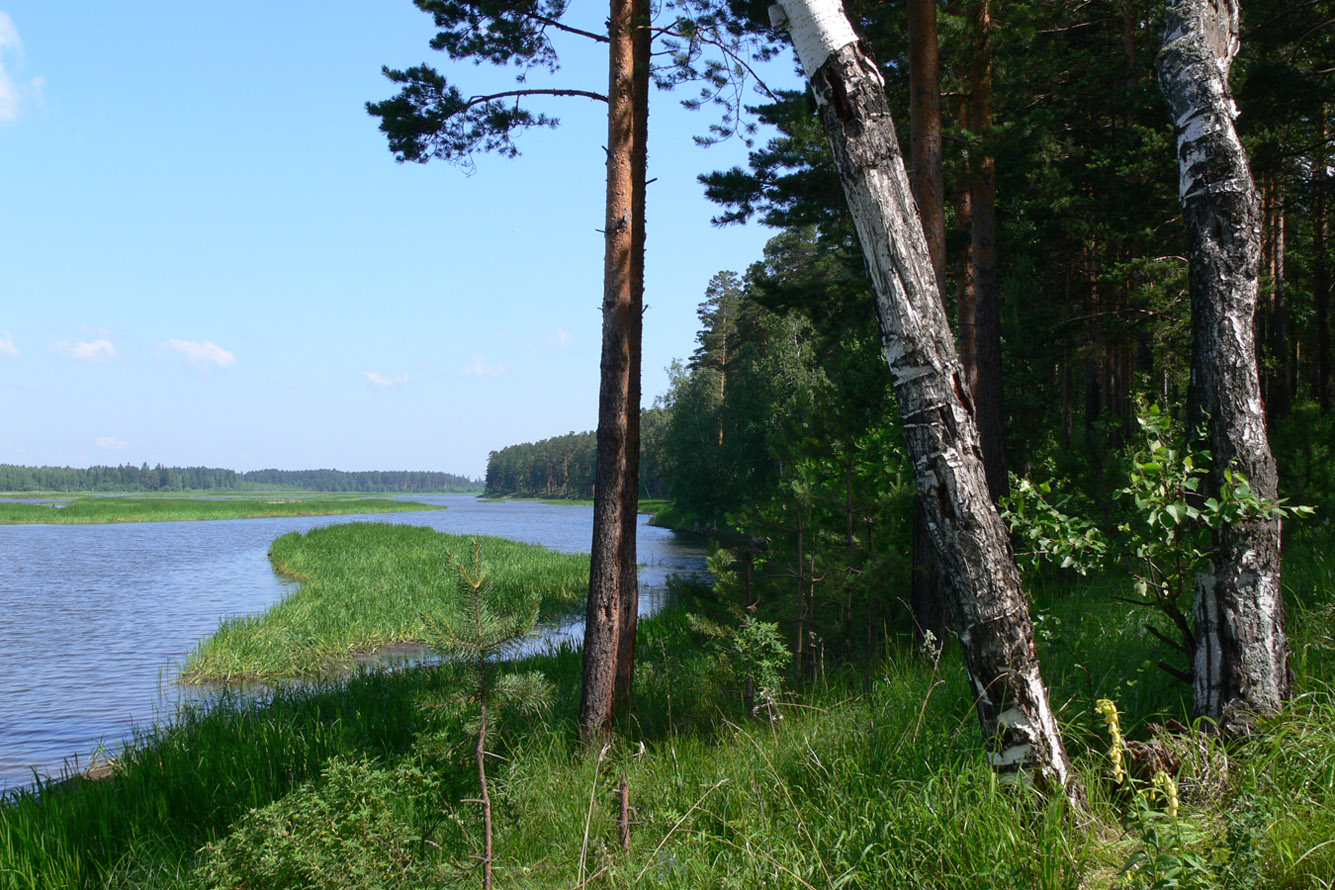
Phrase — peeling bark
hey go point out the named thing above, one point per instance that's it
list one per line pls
(986, 604)
(1241, 659)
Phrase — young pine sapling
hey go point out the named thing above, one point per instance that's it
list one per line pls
(479, 628)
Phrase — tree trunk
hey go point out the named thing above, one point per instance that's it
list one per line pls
(1241, 659)
(602, 621)
(925, 585)
(1275, 376)
(987, 387)
(987, 606)
(1325, 380)
(925, 132)
(639, 166)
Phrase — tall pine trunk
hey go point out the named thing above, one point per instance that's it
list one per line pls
(925, 591)
(641, 41)
(1241, 659)
(602, 624)
(985, 382)
(1325, 380)
(987, 607)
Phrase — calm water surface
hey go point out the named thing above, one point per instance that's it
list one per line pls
(96, 619)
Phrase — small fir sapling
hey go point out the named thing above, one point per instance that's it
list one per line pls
(478, 629)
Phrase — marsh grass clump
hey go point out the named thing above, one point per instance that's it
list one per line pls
(364, 588)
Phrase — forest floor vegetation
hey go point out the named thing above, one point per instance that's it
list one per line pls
(866, 773)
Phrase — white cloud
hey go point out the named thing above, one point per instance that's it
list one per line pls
(7, 346)
(202, 355)
(384, 382)
(560, 339)
(476, 367)
(93, 351)
(11, 93)
(111, 443)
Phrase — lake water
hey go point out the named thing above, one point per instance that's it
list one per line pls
(96, 619)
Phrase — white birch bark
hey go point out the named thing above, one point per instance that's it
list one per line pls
(1241, 659)
(986, 605)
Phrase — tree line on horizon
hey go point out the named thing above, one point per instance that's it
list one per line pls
(143, 478)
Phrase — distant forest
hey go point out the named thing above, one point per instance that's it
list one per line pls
(563, 466)
(145, 478)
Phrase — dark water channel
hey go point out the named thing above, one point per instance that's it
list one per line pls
(96, 619)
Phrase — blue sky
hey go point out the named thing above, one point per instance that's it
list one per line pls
(209, 257)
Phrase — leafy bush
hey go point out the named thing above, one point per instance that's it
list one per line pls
(358, 827)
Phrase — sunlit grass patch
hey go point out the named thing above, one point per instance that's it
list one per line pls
(364, 588)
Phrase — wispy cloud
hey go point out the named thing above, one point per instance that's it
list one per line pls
(11, 92)
(560, 340)
(7, 346)
(203, 355)
(476, 367)
(92, 351)
(111, 443)
(384, 382)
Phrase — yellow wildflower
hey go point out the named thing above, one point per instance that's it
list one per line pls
(1105, 708)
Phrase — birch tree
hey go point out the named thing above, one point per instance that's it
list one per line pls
(1241, 660)
(986, 605)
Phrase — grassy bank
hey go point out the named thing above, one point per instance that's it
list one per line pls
(364, 587)
(871, 779)
(646, 505)
(86, 510)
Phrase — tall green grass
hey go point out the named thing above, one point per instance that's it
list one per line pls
(364, 587)
(866, 781)
(125, 509)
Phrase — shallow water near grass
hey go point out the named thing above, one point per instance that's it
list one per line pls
(96, 619)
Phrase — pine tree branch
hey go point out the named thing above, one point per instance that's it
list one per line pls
(552, 23)
(482, 100)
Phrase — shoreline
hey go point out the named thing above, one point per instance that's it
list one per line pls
(102, 510)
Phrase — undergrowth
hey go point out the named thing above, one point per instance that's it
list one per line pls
(870, 779)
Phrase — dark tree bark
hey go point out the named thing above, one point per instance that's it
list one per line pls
(986, 604)
(1241, 658)
(602, 624)
(928, 181)
(928, 176)
(985, 383)
(1278, 395)
(1325, 379)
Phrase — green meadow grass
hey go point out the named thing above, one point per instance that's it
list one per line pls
(865, 782)
(364, 587)
(175, 509)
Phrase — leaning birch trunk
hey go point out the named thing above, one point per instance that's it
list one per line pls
(1241, 660)
(986, 604)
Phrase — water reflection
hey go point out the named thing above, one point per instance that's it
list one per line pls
(96, 619)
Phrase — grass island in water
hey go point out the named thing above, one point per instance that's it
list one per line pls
(364, 588)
